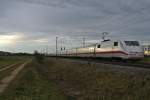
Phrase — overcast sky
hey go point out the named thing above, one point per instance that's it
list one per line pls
(28, 25)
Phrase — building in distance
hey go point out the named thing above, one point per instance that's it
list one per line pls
(146, 47)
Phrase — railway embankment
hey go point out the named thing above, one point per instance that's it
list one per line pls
(97, 81)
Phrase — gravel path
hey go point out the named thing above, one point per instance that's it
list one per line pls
(6, 80)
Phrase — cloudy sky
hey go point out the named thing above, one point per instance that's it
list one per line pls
(28, 25)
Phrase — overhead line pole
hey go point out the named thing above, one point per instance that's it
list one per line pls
(46, 49)
(56, 45)
(83, 41)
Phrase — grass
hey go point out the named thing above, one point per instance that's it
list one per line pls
(146, 60)
(60, 79)
(8, 71)
(5, 61)
(8, 60)
(30, 84)
(85, 82)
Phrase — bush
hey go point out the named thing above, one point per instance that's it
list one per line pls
(39, 57)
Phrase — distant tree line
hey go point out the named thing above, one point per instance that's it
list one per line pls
(3, 53)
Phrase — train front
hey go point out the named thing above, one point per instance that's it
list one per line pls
(134, 49)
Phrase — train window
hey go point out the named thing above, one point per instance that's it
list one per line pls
(132, 43)
(115, 43)
(98, 46)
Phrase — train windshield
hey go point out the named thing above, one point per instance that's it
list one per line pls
(132, 43)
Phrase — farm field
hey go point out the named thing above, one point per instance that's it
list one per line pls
(9, 64)
(8, 60)
(31, 85)
(61, 79)
(8, 71)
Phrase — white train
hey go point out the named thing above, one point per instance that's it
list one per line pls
(109, 49)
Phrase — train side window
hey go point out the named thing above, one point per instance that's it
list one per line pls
(98, 46)
(145, 49)
(115, 43)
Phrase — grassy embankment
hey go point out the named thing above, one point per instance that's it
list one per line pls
(53, 78)
(85, 82)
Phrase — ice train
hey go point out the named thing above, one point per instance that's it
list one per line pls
(108, 49)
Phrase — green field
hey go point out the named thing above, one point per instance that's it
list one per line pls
(7, 72)
(61, 79)
(31, 85)
(8, 60)
(10, 63)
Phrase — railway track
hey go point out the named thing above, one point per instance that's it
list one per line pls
(128, 64)
(135, 64)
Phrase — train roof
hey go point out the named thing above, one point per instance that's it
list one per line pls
(108, 40)
(90, 45)
(122, 40)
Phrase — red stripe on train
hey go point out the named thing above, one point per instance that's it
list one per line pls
(100, 53)
(112, 52)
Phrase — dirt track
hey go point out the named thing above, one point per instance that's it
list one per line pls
(6, 80)
(5, 68)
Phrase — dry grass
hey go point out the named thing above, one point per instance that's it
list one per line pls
(84, 82)
(8, 71)
(50, 79)
(8, 60)
(31, 85)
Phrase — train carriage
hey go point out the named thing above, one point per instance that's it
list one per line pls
(109, 49)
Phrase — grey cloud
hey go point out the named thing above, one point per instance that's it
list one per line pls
(74, 19)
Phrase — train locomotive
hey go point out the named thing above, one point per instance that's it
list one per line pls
(108, 49)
